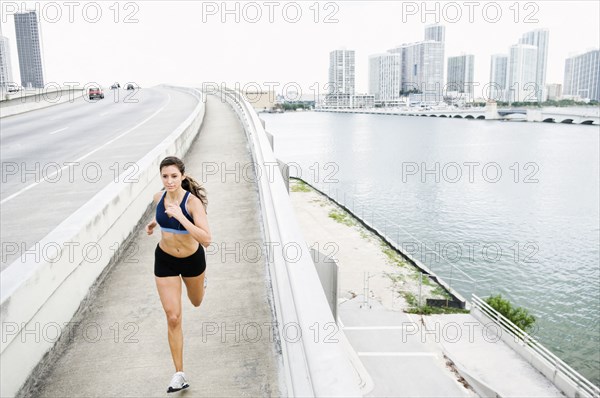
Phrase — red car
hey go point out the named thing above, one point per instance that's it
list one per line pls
(95, 92)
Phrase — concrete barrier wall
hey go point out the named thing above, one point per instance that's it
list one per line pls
(43, 295)
(27, 100)
(313, 367)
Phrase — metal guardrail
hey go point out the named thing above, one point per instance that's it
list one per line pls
(582, 386)
(312, 367)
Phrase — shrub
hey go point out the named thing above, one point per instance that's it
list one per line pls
(517, 315)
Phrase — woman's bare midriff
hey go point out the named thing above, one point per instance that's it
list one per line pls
(178, 245)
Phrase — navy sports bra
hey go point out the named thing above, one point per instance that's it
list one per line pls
(170, 224)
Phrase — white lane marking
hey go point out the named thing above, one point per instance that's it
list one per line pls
(14, 195)
(395, 354)
(59, 130)
(375, 327)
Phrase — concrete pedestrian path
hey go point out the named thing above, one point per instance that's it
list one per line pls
(398, 360)
(120, 347)
(479, 353)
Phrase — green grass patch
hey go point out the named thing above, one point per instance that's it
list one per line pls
(440, 291)
(395, 278)
(392, 255)
(300, 186)
(410, 298)
(365, 235)
(425, 280)
(341, 217)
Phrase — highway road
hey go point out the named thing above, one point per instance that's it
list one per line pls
(56, 159)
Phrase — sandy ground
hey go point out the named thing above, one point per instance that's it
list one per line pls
(365, 261)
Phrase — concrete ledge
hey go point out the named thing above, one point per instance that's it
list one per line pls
(38, 298)
(30, 100)
(313, 365)
(479, 386)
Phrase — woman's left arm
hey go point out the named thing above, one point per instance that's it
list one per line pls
(199, 229)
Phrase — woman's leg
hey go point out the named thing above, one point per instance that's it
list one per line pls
(169, 290)
(195, 288)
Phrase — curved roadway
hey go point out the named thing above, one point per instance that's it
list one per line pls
(56, 159)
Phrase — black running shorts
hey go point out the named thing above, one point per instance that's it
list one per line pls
(167, 265)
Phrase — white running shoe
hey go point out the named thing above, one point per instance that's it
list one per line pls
(178, 382)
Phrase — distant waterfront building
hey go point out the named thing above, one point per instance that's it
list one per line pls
(348, 101)
(422, 65)
(385, 78)
(5, 62)
(435, 33)
(582, 76)
(522, 68)
(498, 77)
(461, 75)
(341, 72)
(422, 68)
(29, 49)
(554, 91)
(539, 38)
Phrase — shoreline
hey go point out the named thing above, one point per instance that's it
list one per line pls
(366, 261)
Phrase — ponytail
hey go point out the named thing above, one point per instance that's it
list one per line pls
(194, 187)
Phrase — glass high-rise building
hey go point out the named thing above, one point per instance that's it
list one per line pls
(498, 77)
(341, 72)
(435, 33)
(539, 38)
(29, 49)
(522, 66)
(422, 68)
(582, 76)
(461, 74)
(385, 79)
(5, 63)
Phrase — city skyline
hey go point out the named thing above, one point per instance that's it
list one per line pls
(283, 52)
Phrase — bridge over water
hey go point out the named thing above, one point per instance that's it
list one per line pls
(568, 116)
(80, 312)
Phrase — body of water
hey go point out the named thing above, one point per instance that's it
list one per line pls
(491, 206)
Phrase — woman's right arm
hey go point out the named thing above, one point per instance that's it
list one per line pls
(150, 226)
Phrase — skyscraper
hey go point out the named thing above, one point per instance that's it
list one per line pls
(385, 77)
(29, 49)
(498, 77)
(582, 75)
(341, 72)
(5, 63)
(422, 68)
(461, 74)
(435, 33)
(539, 38)
(522, 66)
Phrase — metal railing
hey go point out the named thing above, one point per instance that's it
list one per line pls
(582, 386)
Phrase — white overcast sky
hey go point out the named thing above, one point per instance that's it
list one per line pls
(171, 43)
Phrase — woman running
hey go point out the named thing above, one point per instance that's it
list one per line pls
(181, 214)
